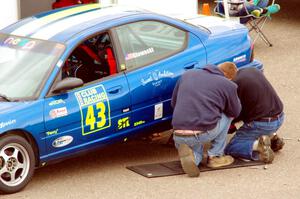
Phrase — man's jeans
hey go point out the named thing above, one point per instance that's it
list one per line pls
(217, 136)
(241, 145)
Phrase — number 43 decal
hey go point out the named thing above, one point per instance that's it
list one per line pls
(91, 120)
(95, 109)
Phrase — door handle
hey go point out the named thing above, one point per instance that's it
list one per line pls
(190, 66)
(114, 90)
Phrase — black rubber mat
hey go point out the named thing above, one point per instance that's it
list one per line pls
(174, 168)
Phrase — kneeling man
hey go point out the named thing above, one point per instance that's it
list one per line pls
(205, 101)
(262, 114)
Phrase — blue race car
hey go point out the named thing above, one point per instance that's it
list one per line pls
(78, 78)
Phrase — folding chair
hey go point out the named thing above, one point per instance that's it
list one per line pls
(254, 23)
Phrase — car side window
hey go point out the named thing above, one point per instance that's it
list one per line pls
(91, 60)
(145, 42)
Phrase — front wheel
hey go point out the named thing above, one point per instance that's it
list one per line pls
(17, 162)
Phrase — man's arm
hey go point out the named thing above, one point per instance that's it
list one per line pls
(233, 105)
(174, 95)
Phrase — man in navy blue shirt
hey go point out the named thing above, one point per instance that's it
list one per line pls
(205, 101)
(262, 115)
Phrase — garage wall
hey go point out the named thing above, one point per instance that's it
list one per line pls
(9, 12)
(165, 6)
(31, 7)
(12, 10)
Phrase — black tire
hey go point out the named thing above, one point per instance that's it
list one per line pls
(16, 159)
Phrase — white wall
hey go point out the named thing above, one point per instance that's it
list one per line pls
(165, 6)
(9, 12)
(12, 10)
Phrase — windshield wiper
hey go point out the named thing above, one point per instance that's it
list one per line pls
(5, 97)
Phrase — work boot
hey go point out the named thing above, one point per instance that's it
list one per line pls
(219, 161)
(187, 160)
(266, 154)
(277, 143)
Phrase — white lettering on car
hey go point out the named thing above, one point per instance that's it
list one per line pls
(156, 76)
(139, 54)
(62, 141)
(238, 59)
(57, 102)
(7, 123)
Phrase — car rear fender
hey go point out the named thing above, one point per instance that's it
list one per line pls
(233, 46)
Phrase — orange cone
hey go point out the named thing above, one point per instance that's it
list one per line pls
(206, 9)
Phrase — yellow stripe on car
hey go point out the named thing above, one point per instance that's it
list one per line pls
(38, 23)
(69, 12)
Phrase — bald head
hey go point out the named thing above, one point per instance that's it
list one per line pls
(229, 69)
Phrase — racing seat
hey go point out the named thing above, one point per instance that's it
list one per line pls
(105, 52)
(112, 65)
(91, 60)
(109, 58)
(89, 52)
(81, 64)
(238, 9)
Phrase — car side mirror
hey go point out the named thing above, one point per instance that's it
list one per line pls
(67, 84)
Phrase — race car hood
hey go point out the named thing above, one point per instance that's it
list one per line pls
(215, 25)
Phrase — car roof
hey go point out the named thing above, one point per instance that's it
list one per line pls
(61, 24)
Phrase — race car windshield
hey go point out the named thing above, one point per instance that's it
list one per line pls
(24, 64)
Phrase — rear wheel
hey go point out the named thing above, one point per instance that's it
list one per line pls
(17, 162)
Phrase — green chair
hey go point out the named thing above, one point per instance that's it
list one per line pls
(255, 23)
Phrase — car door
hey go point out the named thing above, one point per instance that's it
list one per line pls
(97, 112)
(155, 55)
(89, 114)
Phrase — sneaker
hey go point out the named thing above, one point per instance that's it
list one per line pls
(256, 13)
(277, 143)
(220, 161)
(187, 160)
(266, 154)
(273, 8)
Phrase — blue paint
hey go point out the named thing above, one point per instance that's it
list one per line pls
(127, 93)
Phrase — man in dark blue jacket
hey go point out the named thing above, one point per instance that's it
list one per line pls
(262, 115)
(205, 101)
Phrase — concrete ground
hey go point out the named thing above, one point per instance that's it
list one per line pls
(102, 174)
